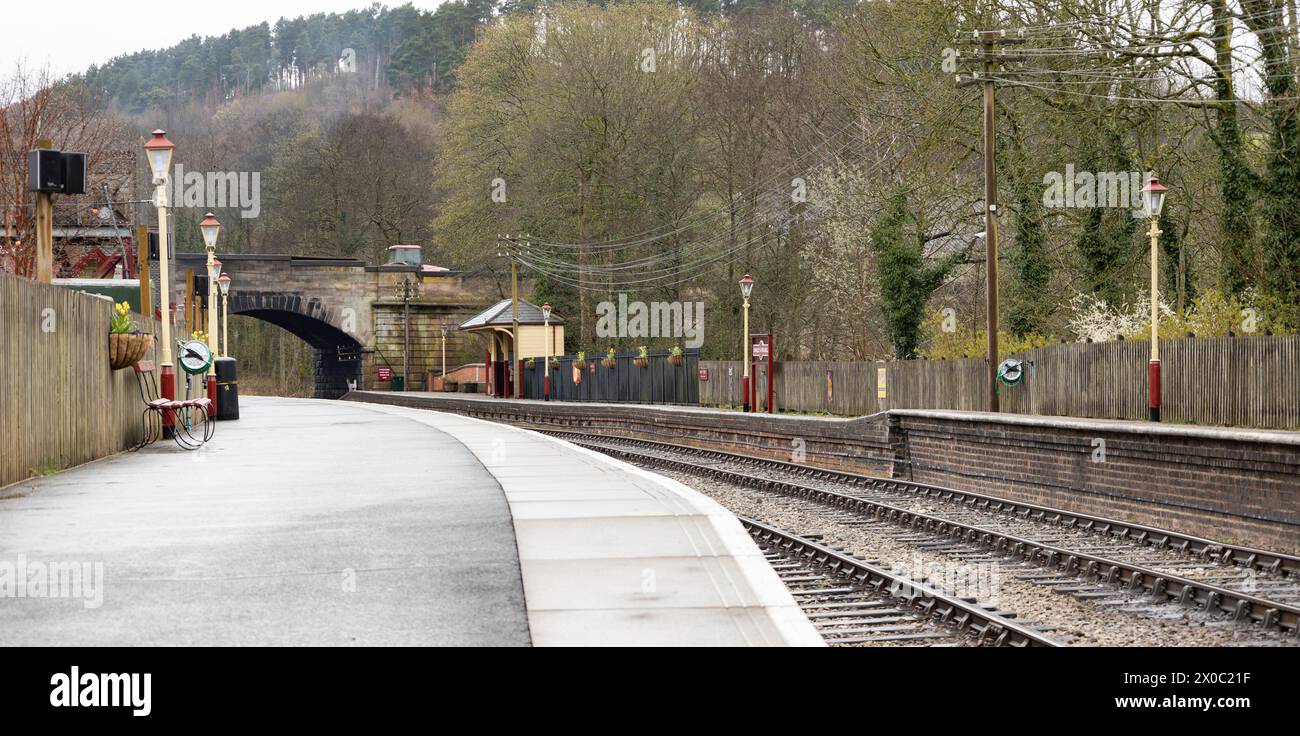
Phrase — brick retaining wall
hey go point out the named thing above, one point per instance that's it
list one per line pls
(1233, 485)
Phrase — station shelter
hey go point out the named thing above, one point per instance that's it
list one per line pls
(505, 364)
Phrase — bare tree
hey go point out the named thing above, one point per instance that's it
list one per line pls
(37, 108)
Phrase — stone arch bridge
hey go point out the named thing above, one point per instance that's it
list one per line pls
(352, 313)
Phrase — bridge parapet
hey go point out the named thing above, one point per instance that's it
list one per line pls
(352, 314)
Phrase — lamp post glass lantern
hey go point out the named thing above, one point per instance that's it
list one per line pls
(158, 152)
(746, 288)
(1153, 195)
(211, 229)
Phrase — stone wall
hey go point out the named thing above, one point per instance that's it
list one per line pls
(426, 342)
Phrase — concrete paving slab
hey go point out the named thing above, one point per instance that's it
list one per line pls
(305, 522)
(646, 583)
(661, 627)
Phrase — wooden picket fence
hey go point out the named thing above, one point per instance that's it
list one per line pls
(60, 403)
(1230, 381)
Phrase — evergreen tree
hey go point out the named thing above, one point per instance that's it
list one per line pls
(906, 281)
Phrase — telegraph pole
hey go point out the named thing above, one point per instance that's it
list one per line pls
(407, 292)
(990, 220)
(988, 42)
(516, 362)
(508, 250)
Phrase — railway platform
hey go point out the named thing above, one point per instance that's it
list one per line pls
(331, 523)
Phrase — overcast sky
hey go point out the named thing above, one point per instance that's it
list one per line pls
(70, 35)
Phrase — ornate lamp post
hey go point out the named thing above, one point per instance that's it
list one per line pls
(546, 325)
(158, 152)
(211, 229)
(746, 288)
(224, 282)
(1154, 195)
(442, 327)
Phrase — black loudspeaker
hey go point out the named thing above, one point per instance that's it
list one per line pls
(201, 285)
(153, 246)
(74, 173)
(44, 171)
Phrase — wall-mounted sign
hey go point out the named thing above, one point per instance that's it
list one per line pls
(881, 382)
(385, 374)
(704, 374)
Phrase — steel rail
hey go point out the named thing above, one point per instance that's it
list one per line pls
(989, 627)
(1268, 561)
(1165, 586)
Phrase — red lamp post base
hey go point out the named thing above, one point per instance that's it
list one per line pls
(167, 388)
(745, 389)
(1153, 388)
(546, 387)
(212, 394)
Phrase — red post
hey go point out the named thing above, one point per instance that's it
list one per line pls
(166, 381)
(745, 394)
(167, 387)
(771, 368)
(546, 386)
(753, 383)
(1153, 388)
(212, 394)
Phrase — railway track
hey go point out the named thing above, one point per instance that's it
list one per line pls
(1103, 561)
(853, 602)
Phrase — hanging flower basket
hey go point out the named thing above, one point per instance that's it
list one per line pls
(609, 363)
(125, 350)
(641, 362)
(676, 360)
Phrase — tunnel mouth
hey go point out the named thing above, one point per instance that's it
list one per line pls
(336, 355)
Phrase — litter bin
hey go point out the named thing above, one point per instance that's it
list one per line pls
(227, 390)
(399, 383)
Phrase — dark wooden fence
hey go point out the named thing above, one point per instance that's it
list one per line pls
(660, 383)
(60, 403)
(1232, 381)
